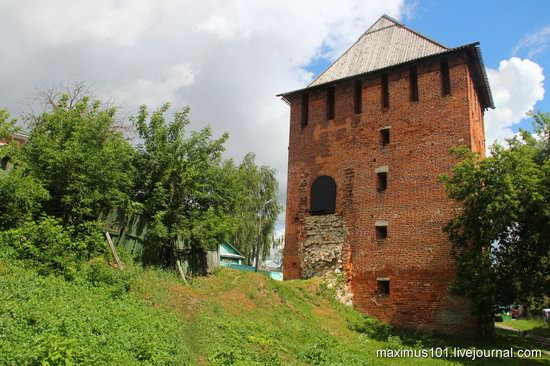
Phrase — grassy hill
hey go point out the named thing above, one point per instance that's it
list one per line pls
(149, 317)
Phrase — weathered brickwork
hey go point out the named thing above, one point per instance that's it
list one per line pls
(415, 256)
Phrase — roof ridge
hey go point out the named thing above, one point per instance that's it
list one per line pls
(384, 16)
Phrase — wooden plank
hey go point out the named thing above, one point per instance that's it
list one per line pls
(180, 270)
(113, 250)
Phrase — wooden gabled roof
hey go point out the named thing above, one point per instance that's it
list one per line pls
(388, 43)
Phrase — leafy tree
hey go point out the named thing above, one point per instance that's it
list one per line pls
(257, 210)
(185, 187)
(21, 195)
(7, 125)
(52, 247)
(501, 235)
(83, 161)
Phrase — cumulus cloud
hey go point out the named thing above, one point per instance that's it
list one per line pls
(63, 22)
(517, 85)
(222, 28)
(225, 59)
(155, 91)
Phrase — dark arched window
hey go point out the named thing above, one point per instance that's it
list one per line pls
(323, 195)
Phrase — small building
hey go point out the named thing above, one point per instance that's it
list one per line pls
(19, 138)
(229, 254)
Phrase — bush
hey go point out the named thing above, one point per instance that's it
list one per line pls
(51, 248)
(21, 198)
(321, 352)
(373, 328)
(97, 273)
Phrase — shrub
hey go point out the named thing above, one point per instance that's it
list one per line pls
(373, 328)
(99, 274)
(21, 198)
(51, 248)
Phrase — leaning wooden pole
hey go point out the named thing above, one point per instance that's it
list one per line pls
(180, 270)
(113, 250)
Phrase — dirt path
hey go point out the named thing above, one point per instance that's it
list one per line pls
(541, 341)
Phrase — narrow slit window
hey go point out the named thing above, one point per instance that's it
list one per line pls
(385, 136)
(381, 181)
(445, 78)
(383, 287)
(358, 96)
(305, 109)
(381, 232)
(330, 102)
(385, 91)
(413, 78)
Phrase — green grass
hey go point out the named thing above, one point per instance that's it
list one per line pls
(150, 317)
(534, 326)
(51, 321)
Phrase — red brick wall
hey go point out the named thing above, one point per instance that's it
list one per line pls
(416, 255)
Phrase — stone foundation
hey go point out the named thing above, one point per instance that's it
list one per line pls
(325, 236)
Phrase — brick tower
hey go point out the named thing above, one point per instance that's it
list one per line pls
(368, 140)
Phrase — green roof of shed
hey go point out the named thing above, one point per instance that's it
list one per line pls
(229, 251)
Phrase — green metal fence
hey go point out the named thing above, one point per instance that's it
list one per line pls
(129, 232)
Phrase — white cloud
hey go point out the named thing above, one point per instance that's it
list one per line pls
(227, 59)
(222, 28)
(534, 43)
(154, 91)
(517, 85)
(61, 22)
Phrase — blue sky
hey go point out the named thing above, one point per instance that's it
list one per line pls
(498, 26)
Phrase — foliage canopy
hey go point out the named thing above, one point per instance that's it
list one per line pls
(186, 189)
(501, 236)
(82, 160)
(257, 209)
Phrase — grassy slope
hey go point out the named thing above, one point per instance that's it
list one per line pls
(230, 318)
(246, 316)
(47, 321)
(535, 326)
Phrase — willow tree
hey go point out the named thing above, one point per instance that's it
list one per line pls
(257, 210)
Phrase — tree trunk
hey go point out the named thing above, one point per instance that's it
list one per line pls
(257, 263)
(486, 325)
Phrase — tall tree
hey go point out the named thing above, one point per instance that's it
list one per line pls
(83, 161)
(186, 189)
(257, 210)
(501, 235)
